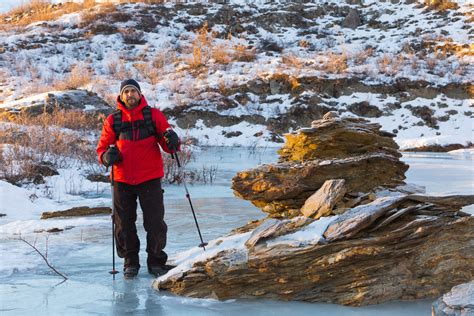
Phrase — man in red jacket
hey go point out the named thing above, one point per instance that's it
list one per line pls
(138, 132)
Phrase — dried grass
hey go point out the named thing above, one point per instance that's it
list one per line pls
(335, 63)
(42, 10)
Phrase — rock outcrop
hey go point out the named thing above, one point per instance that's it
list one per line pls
(360, 241)
(70, 100)
(333, 148)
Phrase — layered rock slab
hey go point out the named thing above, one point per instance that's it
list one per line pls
(420, 254)
(281, 188)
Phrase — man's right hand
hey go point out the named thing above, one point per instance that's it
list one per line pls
(111, 156)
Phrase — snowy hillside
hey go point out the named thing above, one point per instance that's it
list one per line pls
(246, 72)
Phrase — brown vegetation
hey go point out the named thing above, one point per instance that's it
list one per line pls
(35, 140)
(441, 5)
(42, 10)
(207, 50)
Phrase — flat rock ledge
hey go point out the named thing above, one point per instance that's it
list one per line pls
(397, 247)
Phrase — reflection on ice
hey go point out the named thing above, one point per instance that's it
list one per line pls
(83, 253)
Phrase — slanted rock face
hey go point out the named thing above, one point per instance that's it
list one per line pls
(333, 148)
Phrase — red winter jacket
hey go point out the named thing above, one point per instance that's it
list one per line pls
(141, 155)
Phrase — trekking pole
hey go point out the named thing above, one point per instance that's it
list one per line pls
(202, 244)
(112, 182)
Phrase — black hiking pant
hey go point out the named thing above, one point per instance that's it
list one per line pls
(150, 195)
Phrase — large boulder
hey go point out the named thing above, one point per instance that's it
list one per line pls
(332, 148)
(399, 247)
(344, 228)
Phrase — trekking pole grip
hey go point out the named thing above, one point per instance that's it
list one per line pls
(175, 154)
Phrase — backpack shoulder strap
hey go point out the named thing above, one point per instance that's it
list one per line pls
(117, 126)
(147, 117)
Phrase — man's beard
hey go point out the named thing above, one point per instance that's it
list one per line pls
(131, 102)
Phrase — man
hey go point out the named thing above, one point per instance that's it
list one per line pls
(136, 130)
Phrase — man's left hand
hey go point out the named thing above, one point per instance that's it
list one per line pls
(172, 140)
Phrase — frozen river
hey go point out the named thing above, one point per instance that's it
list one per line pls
(83, 250)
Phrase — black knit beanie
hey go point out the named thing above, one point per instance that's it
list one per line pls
(130, 83)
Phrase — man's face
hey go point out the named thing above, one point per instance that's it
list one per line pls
(131, 97)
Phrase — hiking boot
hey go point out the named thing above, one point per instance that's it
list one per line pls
(130, 272)
(159, 270)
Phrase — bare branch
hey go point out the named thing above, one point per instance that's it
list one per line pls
(42, 256)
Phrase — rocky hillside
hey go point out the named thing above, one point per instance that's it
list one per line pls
(246, 72)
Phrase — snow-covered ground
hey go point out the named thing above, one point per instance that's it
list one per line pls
(82, 250)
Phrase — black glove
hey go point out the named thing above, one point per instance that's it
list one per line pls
(111, 156)
(172, 140)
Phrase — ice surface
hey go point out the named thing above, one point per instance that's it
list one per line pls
(83, 250)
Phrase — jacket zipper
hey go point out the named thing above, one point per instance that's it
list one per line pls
(133, 139)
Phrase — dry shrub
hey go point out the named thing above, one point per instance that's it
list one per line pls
(441, 5)
(148, 72)
(204, 48)
(361, 57)
(244, 53)
(303, 43)
(389, 64)
(292, 61)
(123, 72)
(221, 55)
(164, 58)
(384, 63)
(292, 81)
(38, 144)
(172, 173)
(17, 163)
(449, 48)
(335, 63)
(79, 76)
(201, 48)
(71, 119)
(175, 175)
(38, 139)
